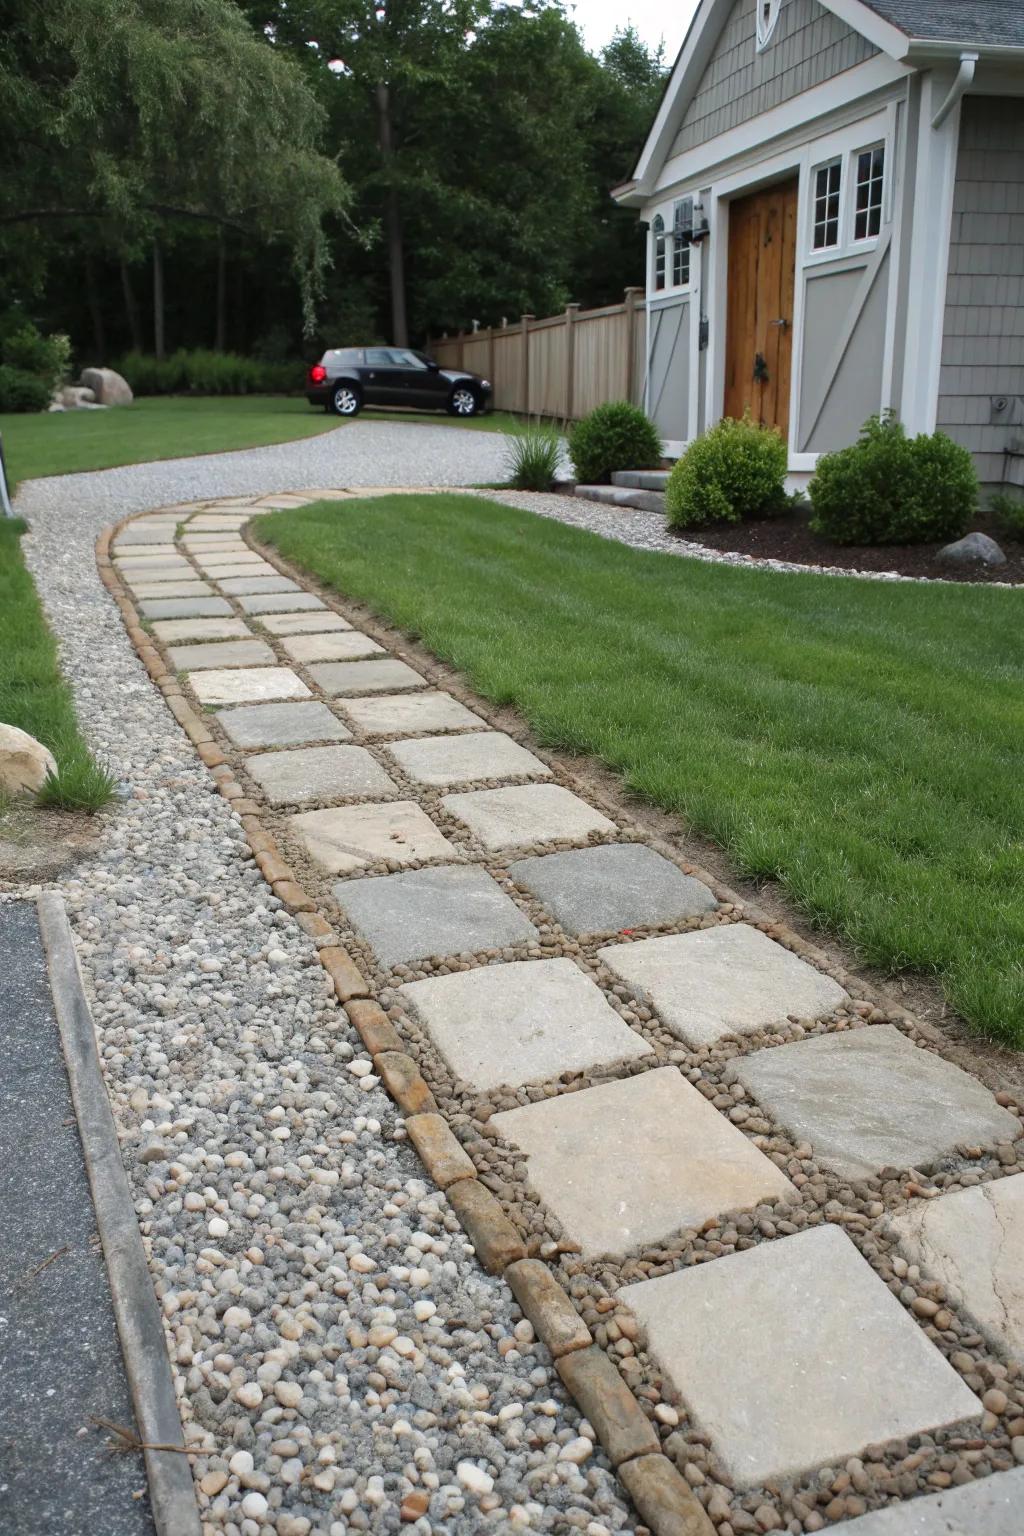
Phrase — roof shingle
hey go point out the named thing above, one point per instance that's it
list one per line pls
(992, 23)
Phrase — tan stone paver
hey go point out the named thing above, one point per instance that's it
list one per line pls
(222, 653)
(403, 713)
(352, 836)
(346, 645)
(533, 813)
(385, 676)
(221, 685)
(319, 773)
(303, 623)
(446, 760)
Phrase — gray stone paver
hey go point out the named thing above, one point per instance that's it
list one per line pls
(445, 760)
(303, 623)
(442, 911)
(633, 1161)
(338, 677)
(344, 645)
(990, 1507)
(723, 980)
(246, 685)
(281, 725)
(171, 588)
(973, 1241)
(280, 602)
(405, 712)
(319, 773)
(608, 889)
(349, 837)
(246, 586)
(175, 631)
(868, 1098)
(223, 653)
(522, 1022)
(185, 608)
(237, 571)
(794, 1354)
(530, 813)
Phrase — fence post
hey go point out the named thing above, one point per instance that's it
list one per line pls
(631, 340)
(571, 311)
(462, 349)
(525, 319)
(490, 363)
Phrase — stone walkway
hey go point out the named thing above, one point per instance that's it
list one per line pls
(788, 1225)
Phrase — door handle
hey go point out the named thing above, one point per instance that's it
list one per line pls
(760, 369)
(783, 324)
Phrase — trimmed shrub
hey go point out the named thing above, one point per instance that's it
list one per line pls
(21, 391)
(614, 436)
(1008, 510)
(889, 488)
(44, 357)
(201, 372)
(531, 457)
(735, 471)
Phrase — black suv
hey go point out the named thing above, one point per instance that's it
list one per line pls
(344, 381)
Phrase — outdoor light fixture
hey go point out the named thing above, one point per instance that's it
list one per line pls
(701, 229)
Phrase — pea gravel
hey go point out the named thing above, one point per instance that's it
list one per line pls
(338, 1352)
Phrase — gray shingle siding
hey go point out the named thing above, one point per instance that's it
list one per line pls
(809, 46)
(983, 328)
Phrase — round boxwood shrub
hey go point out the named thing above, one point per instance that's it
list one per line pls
(736, 470)
(614, 436)
(21, 391)
(888, 488)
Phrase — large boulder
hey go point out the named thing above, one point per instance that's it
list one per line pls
(973, 547)
(108, 387)
(24, 762)
(73, 397)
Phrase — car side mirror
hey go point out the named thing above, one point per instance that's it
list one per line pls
(434, 367)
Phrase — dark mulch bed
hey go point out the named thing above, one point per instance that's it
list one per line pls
(790, 538)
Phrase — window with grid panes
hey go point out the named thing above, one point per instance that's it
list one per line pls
(658, 232)
(827, 187)
(867, 216)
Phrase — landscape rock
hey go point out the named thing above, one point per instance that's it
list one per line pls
(24, 762)
(107, 387)
(974, 546)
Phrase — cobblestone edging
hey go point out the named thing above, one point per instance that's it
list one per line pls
(586, 1329)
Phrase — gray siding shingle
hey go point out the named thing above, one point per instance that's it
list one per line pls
(809, 45)
(983, 326)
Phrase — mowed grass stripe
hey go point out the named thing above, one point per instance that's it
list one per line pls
(859, 741)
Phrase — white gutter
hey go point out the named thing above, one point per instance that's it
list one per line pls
(964, 76)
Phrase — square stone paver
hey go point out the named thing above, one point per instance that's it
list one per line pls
(247, 685)
(166, 567)
(185, 608)
(239, 586)
(346, 645)
(304, 623)
(171, 588)
(628, 1163)
(448, 760)
(453, 910)
(237, 570)
(281, 725)
(990, 1507)
(172, 630)
(529, 813)
(223, 653)
(319, 773)
(142, 532)
(973, 1241)
(795, 1354)
(336, 677)
(722, 981)
(406, 712)
(523, 1022)
(869, 1098)
(604, 890)
(221, 559)
(349, 837)
(281, 602)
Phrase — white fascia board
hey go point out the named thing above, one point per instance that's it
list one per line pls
(870, 25)
(842, 91)
(694, 55)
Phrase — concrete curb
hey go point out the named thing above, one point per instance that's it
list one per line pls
(171, 1490)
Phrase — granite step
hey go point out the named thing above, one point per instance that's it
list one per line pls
(641, 479)
(623, 496)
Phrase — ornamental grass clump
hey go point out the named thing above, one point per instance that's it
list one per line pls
(532, 455)
(888, 488)
(614, 436)
(736, 470)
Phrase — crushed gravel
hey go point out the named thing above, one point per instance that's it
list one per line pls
(339, 1354)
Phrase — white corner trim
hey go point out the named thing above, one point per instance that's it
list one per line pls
(870, 25)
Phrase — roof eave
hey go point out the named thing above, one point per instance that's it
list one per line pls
(923, 51)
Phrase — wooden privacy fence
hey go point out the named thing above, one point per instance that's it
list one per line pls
(562, 366)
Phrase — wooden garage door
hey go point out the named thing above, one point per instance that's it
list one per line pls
(759, 322)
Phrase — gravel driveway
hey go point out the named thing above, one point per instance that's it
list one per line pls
(227, 1067)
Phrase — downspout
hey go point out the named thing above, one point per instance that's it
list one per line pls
(964, 77)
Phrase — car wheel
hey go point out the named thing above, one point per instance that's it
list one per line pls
(463, 401)
(345, 400)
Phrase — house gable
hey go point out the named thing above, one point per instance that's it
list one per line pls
(808, 46)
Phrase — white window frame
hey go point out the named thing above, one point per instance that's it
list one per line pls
(875, 132)
(812, 195)
(671, 289)
(865, 242)
(767, 14)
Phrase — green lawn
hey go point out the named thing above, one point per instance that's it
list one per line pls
(858, 741)
(33, 695)
(172, 426)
